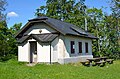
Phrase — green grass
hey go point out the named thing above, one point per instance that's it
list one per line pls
(15, 70)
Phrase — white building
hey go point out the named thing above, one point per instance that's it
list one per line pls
(44, 39)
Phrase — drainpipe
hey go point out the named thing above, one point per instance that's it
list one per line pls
(50, 52)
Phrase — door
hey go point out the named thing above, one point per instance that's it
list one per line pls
(33, 51)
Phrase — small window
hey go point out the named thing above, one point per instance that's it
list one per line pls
(86, 47)
(80, 47)
(72, 47)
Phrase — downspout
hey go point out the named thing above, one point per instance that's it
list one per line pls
(50, 52)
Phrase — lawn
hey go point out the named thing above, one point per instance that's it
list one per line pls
(15, 70)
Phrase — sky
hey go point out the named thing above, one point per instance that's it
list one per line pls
(20, 11)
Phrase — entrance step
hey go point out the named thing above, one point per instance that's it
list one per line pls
(31, 64)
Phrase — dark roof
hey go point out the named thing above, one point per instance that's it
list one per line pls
(62, 27)
(21, 40)
(39, 37)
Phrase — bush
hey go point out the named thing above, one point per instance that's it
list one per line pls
(115, 55)
(7, 57)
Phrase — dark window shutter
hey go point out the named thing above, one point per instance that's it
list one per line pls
(80, 47)
(86, 47)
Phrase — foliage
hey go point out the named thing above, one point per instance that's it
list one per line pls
(95, 26)
(13, 49)
(115, 30)
(8, 44)
(65, 10)
(115, 6)
(3, 3)
(3, 33)
(13, 69)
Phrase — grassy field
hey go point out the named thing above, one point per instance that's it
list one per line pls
(15, 70)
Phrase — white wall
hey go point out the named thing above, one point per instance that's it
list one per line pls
(54, 50)
(76, 57)
(43, 52)
(61, 47)
(64, 49)
(23, 52)
(39, 26)
(76, 40)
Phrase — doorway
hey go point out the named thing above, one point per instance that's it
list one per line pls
(33, 51)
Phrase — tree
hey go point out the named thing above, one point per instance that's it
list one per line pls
(8, 44)
(65, 10)
(105, 28)
(115, 7)
(115, 22)
(95, 26)
(2, 8)
(3, 33)
(11, 41)
(3, 29)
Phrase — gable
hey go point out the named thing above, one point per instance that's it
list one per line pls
(39, 28)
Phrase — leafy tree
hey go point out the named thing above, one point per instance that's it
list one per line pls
(65, 10)
(3, 29)
(2, 8)
(106, 29)
(8, 45)
(12, 43)
(115, 23)
(3, 34)
(115, 7)
(95, 25)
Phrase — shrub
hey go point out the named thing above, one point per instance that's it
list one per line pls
(7, 57)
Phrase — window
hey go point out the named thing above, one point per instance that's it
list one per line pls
(72, 47)
(80, 47)
(86, 47)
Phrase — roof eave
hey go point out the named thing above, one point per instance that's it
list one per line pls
(84, 36)
(26, 25)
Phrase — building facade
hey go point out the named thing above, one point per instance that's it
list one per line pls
(48, 40)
